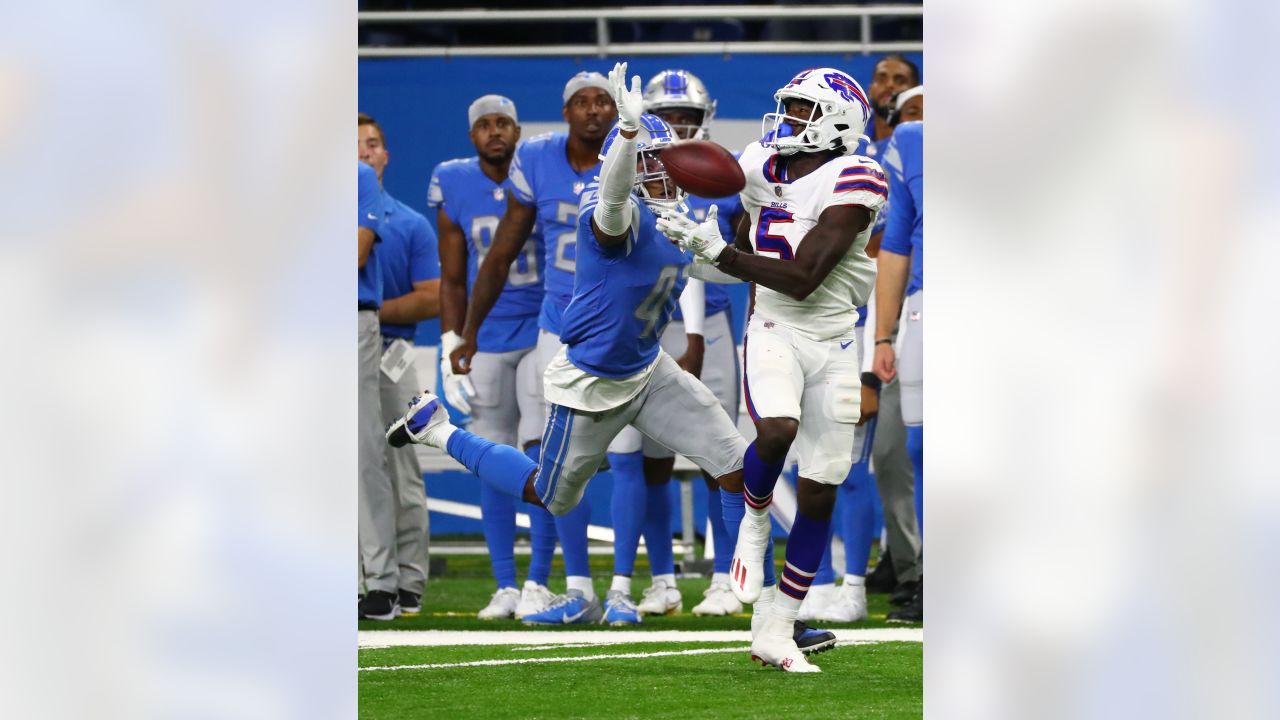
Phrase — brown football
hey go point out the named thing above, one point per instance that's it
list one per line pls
(703, 168)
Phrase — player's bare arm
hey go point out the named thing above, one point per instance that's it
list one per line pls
(822, 248)
(365, 240)
(420, 303)
(508, 240)
(453, 274)
(742, 232)
(892, 270)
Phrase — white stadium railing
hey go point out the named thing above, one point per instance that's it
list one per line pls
(604, 46)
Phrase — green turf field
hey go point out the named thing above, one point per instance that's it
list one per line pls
(683, 679)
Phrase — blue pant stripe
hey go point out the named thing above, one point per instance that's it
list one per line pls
(544, 465)
(564, 452)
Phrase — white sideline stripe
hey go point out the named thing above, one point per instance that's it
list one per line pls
(586, 658)
(467, 510)
(441, 638)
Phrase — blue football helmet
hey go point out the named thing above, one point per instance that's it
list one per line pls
(653, 137)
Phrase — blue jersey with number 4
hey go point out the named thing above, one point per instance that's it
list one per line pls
(623, 295)
(542, 178)
(475, 204)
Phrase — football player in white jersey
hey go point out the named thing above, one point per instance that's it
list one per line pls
(812, 204)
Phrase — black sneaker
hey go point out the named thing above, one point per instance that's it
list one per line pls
(811, 640)
(410, 603)
(912, 612)
(882, 579)
(379, 605)
(905, 592)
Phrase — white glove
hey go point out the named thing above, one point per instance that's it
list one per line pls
(703, 240)
(630, 102)
(458, 389)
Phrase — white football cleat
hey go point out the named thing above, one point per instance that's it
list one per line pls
(747, 571)
(534, 598)
(816, 601)
(661, 599)
(501, 605)
(761, 610)
(774, 645)
(426, 413)
(849, 605)
(718, 600)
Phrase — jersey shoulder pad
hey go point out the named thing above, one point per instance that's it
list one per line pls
(910, 130)
(857, 179)
(445, 178)
(538, 143)
(589, 199)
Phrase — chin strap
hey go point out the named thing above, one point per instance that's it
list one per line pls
(617, 177)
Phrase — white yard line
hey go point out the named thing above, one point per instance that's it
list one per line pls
(438, 638)
(528, 661)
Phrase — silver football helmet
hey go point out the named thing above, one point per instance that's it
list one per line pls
(671, 89)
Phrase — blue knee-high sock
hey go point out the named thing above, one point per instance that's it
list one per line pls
(915, 450)
(572, 529)
(627, 508)
(759, 477)
(657, 529)
(719, 534)
(857, 518)
(731, 504)
(498, 514)
(804, 553)
(824, 574)
(542, 533)
(542, 536)
(504, 468)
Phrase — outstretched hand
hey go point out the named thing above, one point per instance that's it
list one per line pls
(630, 102)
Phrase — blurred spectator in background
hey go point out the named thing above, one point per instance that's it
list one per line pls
(900, 266)
(893, 74)
(395, 512)
(899, 568)
(380, 603)
(503, 391)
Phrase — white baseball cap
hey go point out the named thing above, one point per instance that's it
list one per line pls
(491, 104)
(584, 79)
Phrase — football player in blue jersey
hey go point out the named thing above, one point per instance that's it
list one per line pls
(611, 371)
(503, 393)
(680, 98)
(901, 266)
(547, 177)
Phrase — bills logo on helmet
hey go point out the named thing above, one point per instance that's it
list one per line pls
(846, 87)
(800, 78)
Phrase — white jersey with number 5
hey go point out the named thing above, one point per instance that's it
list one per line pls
(783, 211)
